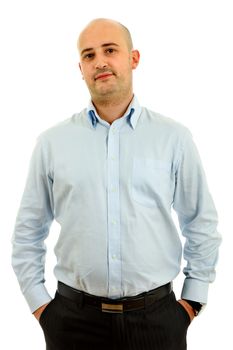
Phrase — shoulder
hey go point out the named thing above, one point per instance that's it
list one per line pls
(163, 124)
(63, 129)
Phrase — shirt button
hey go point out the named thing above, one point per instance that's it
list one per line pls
(114, 257)
(114, 222)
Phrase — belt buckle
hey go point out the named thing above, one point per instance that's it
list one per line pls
(112, 308)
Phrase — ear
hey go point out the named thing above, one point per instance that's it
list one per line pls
(135, 58)
(81, 70)
(80, 67)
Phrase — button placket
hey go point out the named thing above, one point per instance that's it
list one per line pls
(114, 244)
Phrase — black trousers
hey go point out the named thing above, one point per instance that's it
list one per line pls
(160, 326)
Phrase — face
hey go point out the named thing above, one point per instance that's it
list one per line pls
(106, 60)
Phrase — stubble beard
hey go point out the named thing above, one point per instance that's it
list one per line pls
(112, 95)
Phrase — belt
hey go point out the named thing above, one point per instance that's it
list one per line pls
(115, 305)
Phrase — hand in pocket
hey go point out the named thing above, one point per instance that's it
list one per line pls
(39, 311)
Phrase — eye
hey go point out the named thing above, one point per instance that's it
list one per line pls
(88, 56)
(110, 50)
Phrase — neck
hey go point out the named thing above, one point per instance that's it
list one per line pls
(111, 110)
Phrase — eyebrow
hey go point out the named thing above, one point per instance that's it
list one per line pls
(103, 45)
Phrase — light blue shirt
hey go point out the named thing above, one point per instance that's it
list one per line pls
(111, 188)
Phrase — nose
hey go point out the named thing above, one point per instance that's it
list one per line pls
(100, 63)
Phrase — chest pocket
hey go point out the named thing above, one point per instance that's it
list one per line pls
(151, 182)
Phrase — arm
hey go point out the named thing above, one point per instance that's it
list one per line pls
(31, 229)
(198, 222)
(39, 311)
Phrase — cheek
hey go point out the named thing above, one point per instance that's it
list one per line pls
(126, 72)
(88, 78)
(85, 71)
(120, 70)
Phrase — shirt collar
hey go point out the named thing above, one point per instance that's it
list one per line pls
(131, 115)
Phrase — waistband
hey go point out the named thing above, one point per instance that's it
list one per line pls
(120, 305)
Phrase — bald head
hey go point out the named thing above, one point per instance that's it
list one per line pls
(98, 23)
(107, 60)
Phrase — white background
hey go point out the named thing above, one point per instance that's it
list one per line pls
(185, 73)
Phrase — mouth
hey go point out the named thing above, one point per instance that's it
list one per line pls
(103, 76)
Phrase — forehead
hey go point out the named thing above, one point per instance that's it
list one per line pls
(100, 33)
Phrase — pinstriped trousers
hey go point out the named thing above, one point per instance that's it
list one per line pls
(160, 326)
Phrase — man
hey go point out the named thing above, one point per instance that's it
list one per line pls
(109, 176)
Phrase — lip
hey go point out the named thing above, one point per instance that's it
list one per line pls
(103, 75)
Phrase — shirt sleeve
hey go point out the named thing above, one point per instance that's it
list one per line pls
(32, 225)
(198, 222)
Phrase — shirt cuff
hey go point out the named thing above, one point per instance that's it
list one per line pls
(37, 296)
(195, 290)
